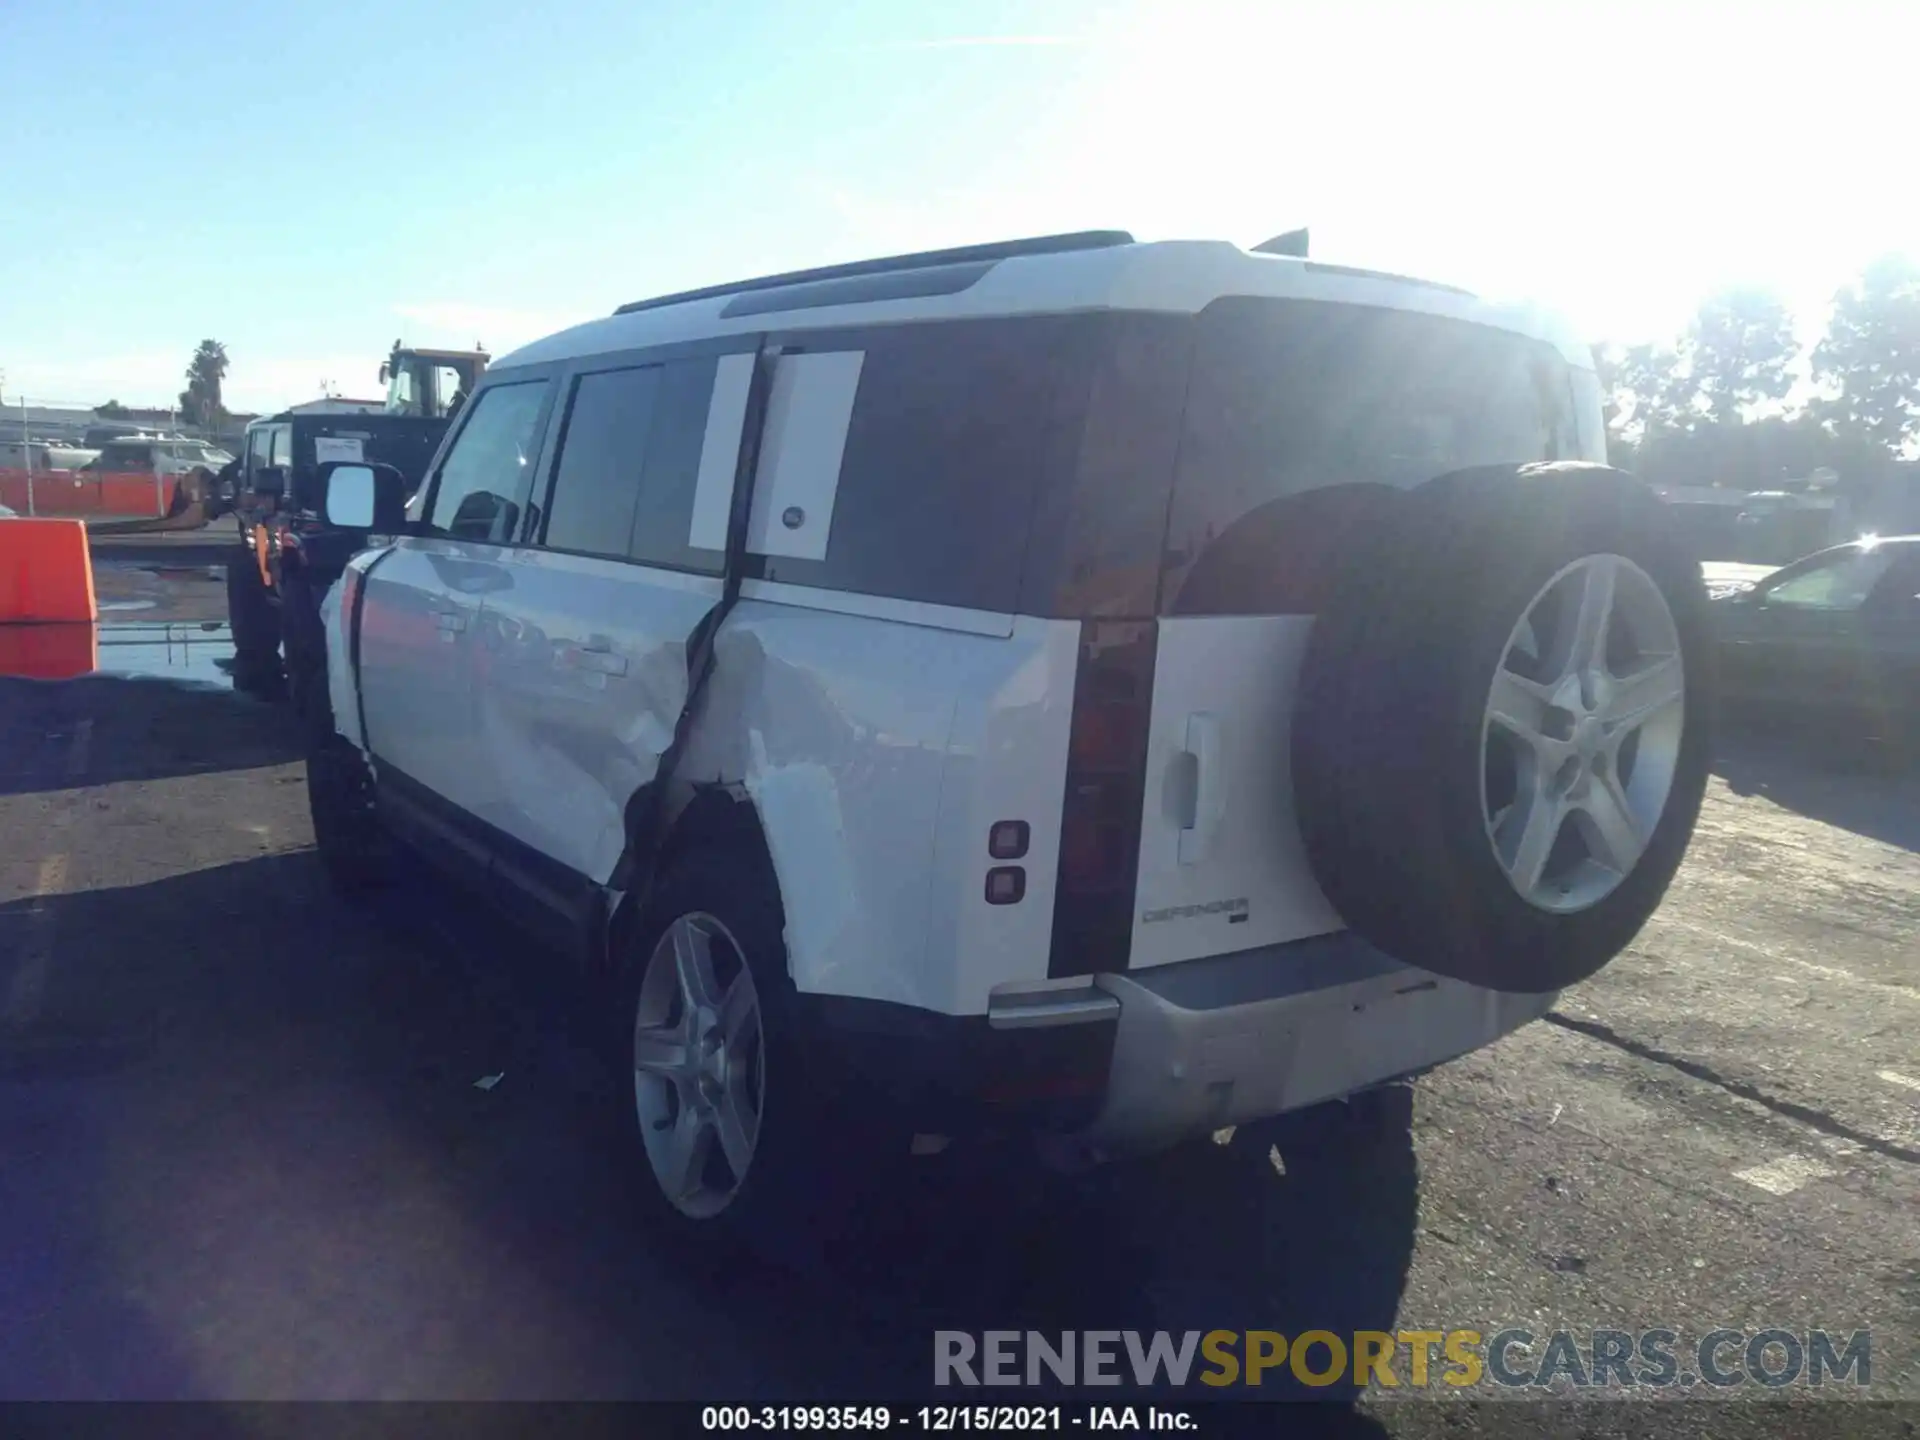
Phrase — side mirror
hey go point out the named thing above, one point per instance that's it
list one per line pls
(270, 480)
(357, 496)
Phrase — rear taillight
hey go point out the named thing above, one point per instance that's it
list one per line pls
(1105, 790)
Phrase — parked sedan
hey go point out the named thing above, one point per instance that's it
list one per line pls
(1834, 636)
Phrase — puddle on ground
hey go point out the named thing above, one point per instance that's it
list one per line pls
(191, 651)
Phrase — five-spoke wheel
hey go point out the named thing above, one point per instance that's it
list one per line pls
(1582, 733)
(699, 1065)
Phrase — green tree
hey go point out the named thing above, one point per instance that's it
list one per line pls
(1641, 391)
(1737, 356)
(112, 410)
(1869, 359)
(200, 401)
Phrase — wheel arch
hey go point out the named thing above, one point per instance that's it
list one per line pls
(718, 816)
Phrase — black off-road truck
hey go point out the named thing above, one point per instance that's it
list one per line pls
(287, 554)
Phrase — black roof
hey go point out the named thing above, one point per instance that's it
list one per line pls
(354, 420)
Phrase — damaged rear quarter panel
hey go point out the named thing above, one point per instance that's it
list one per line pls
(860, 741)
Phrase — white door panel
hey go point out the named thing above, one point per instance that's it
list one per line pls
(720, 451)
(801, 447)
(582, 671)
(1222, 866)
(837, 725)
(1005, 760)
(878, 753)
(416, 643)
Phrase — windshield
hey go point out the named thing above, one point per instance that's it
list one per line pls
(402, 398)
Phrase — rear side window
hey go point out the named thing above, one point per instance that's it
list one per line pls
(663, 514)
(487, 475)
(628, 463)
(954, 429)
(596, 484)
(1288, 398)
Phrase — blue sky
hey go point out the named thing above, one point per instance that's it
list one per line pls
(307, 182)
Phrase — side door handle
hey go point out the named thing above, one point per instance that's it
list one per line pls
(449, 623)
(596, 656)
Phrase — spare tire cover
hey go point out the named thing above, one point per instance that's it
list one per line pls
(1502, 734)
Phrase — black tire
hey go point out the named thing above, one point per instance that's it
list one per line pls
(1388, 735)
(354, 846)
(795, 1194)
(303, 641)
(254, 624)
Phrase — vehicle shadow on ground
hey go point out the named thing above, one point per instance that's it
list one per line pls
(256, 1144)
(134, 729)
(1859, 785)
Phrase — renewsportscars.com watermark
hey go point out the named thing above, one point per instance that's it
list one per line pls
(1407, 1359)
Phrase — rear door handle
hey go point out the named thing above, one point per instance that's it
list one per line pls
(449, 622)
(1209, 789)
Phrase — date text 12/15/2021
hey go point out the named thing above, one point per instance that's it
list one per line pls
(944, 1419)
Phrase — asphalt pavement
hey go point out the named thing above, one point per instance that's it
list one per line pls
(245, 1155)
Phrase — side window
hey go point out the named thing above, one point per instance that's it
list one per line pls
(951, 432)
(282, 446)
(663, 518)
(124, 460)
(1839, 585)
(259, 449)
(603, 448)
(487, 475)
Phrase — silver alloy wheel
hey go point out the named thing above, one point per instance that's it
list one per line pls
(699, 1065)
(1582, 733)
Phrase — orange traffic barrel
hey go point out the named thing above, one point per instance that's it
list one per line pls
(49, 652)
(46, 572)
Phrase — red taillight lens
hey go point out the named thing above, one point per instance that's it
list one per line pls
(1102, 737)
(1101, 809)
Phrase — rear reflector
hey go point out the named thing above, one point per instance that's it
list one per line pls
(1106, 788)
(1006, 885)
(1008, 839)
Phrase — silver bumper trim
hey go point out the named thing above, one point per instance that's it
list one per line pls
(1032, 1011)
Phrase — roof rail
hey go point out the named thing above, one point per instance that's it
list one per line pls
(925, 259)
(1323, 269)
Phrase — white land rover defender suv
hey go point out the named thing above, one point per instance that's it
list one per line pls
(1120, 689)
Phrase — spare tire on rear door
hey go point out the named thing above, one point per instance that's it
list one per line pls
(1501, 738)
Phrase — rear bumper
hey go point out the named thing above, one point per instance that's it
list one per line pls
(1138, 1061)
(1234, 1038)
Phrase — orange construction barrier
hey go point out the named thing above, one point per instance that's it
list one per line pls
(46, 572)
(132, 495)
(49, 652)
(52, 492)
